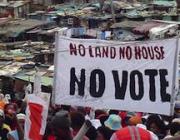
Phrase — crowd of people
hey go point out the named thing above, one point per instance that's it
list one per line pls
(84, 123)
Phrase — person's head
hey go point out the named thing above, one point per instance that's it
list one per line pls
(113, 122)
(83, 110)
(87, 110)
(156, 125)
(113, 112)
(134, 120)
(61, 125)
(102, 118)
(104, 133)
(10, 108)
(91, 133)
(175, 126)
(77, 120)
(66, 107)
(99, 112)
(10, 114)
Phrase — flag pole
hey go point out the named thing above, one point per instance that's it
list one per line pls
(112, 12)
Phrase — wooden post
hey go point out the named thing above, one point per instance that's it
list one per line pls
(112, 12)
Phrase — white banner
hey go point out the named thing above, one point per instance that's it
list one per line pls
(136, 76)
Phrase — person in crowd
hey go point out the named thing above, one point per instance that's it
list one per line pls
(124, 119)
(4, 128)
(113, 122)
(49, 134)
(92, 133)
(70, 124)
(84, 129)
(61, 126)
(153, 136)
(21, 106)
(102, 118)
(2, 102)
(18, 133)
(157, 126)
(112, 111)
(132, 133)
(134, 120)
(10, 111)
(104, 133)
(175, 127)
(173, 138)
(66, 107)
(77, 120)
(82, 110)
(99, 113)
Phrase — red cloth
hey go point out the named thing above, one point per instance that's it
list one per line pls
(132, 132)
(51, 137)
(35, 118)
(2, 104)
(123, 115)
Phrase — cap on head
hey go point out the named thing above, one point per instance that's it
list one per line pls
(21, 116)
(113, 122)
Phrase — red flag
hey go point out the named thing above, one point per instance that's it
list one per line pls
(35, 117)
(36, 112)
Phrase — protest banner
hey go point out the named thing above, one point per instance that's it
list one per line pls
(134, 76)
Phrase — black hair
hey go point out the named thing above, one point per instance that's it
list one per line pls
(63, 134)
(159, 123)
(174, 128)
(77, 120)
(106, 132)
(92, 133)
(48, 131)
(66, 107)
(114, 112)
(103, 118)
(99, 112)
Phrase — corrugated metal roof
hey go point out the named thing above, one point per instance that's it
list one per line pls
(29, 76)
(127, 24)
(165, 3)
(144, 28)
(46, 81)
(4, 21)
(15, 27)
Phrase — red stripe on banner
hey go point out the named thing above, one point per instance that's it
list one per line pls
(36, 120)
